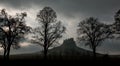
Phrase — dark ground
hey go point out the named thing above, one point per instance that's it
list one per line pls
(66, 60)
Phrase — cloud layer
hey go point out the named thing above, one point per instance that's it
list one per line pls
(100, 8)
(70, 12)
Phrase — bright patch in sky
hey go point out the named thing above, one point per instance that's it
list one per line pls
(24, 44)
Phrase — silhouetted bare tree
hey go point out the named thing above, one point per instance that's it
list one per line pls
(93, 33)
(117, 17)
(12, 29)
(116, 24)
(50, 30)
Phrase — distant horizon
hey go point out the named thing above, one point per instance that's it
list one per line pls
(28, 49)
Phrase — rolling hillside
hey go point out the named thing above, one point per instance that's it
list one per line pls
(69, 48)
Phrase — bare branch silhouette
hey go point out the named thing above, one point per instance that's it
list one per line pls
(93, 33)
(50, 30)
(12, 29)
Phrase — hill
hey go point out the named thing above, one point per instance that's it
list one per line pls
(69, 48)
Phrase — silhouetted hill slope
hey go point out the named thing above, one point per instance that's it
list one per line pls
(69, 48)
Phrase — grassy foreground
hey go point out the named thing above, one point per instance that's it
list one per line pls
(57, 60)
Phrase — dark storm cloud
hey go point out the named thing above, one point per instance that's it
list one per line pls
(103, 9)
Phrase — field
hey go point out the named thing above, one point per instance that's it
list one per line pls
(29, 59)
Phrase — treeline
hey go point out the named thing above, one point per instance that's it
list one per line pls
(91, 30)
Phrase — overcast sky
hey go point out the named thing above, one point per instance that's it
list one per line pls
(70, 12)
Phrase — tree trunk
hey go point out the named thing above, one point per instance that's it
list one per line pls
(94, 53)
(45, 42)
(45, 53)
(4, 54)
(8, 52)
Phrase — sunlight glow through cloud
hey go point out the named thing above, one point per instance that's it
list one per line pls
(24, 44)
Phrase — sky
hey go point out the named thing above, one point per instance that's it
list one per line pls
(70, 12)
